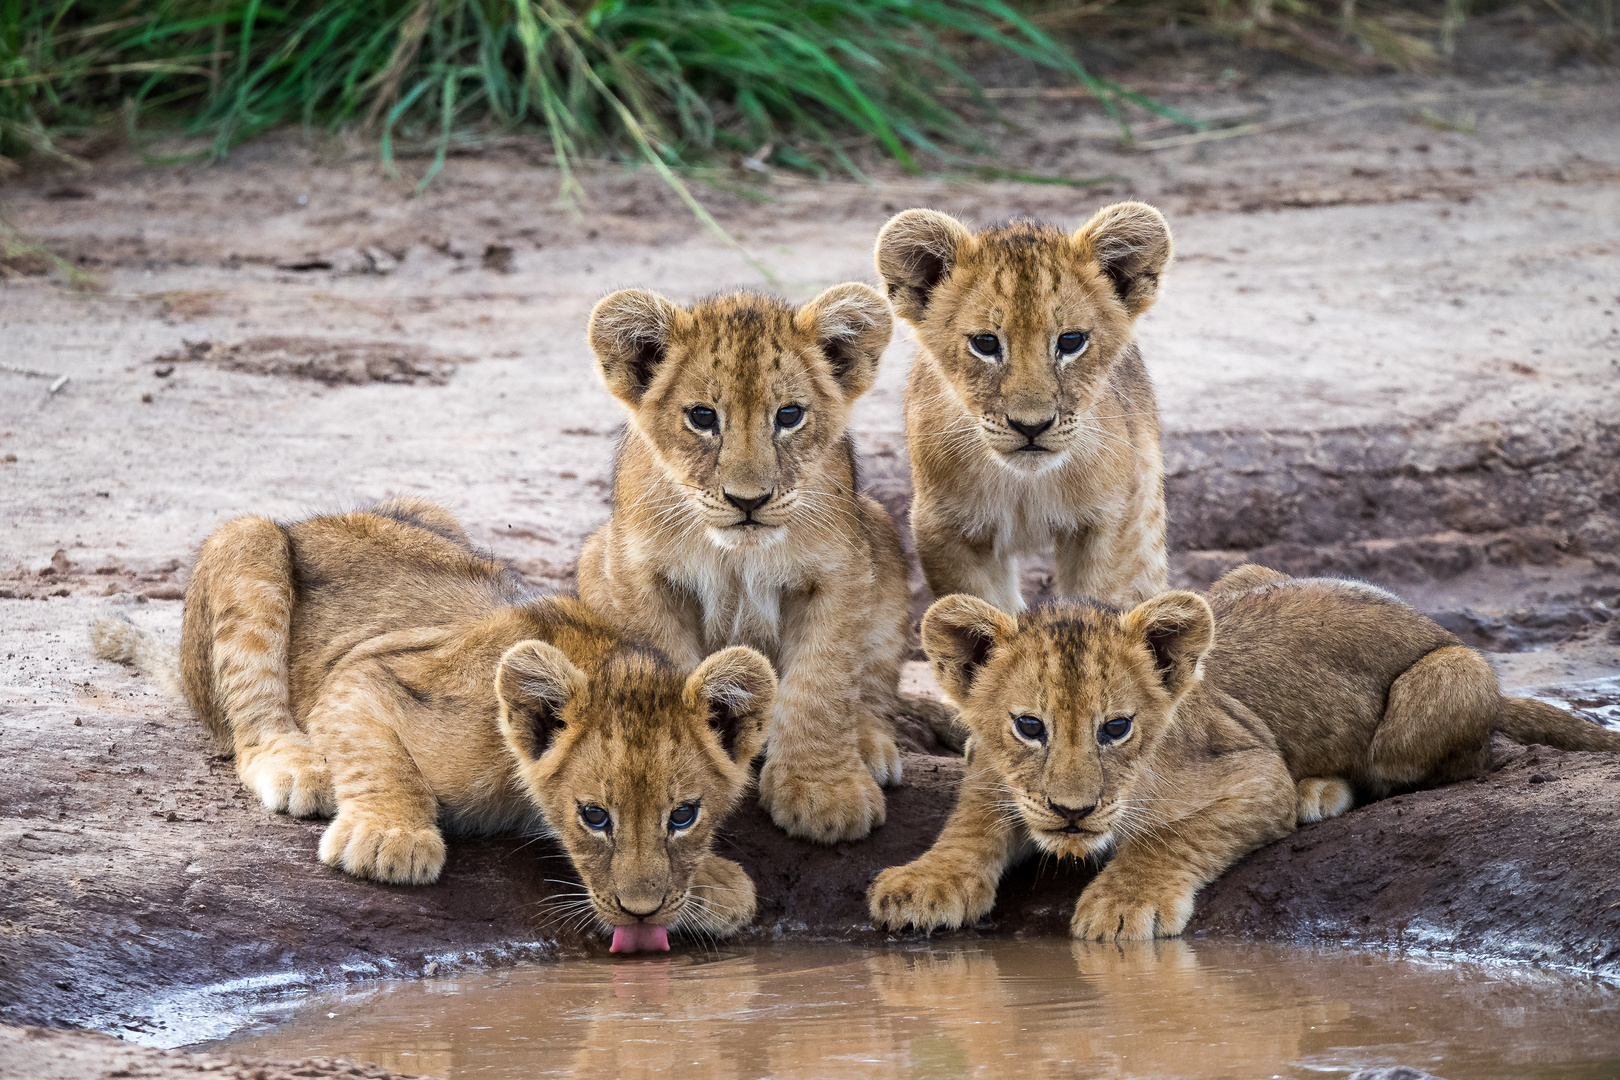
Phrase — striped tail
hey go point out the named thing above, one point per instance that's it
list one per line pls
(1525, 720)
(115, 638)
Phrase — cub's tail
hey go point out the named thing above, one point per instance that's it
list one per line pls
(117, 639)
(938, 717)
(1526, 720)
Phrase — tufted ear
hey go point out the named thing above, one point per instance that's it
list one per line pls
(534, 683)
(852, 324)
(1130, 242)
(738, 688)
(917, 250)
(1178, 629)
(959, 633)
(629, 333)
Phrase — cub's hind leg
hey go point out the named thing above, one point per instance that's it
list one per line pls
(233, 664)
(1322, 797)
(386, 824)
(1437, 723)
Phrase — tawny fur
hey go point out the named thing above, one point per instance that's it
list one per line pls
(1089, 487)
(375, 666)
(814, 576)
(1274, 703)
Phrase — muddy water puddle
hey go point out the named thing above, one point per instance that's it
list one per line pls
(1018, 1009)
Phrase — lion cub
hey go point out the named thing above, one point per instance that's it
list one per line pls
(737, 521)
(1184, 734)
(374, 664)
(1030, 419)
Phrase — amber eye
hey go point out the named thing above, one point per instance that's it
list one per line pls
(1030, 727)
(986, 345)
(1114, 730)
(703, 418)
(1072, 342)
(595, 817)
(789, 416)
(682, 816)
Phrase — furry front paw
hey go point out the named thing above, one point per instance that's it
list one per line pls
(1321, 798)
(376, 848)
(1108, 911)
(721, 900)
(288, 776)
(826, 806)
(875, 740)
(929, 895)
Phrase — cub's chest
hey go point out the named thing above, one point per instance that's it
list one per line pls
(739, 601)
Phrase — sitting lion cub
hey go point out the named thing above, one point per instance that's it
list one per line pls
(1185, 734)
(1029, 416)
(736, 521)
(375, 664)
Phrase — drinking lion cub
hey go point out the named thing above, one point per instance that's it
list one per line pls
(374, 664)
(1185, 734)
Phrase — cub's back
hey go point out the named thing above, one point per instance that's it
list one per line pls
(1315, 658)
(359, 575)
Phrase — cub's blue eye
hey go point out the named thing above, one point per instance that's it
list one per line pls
(987, 345)
(1030, 727)
(1072, 341)
(788, 416)
(682, 816)
(595, 817)
(703, 418)
(1114, 730)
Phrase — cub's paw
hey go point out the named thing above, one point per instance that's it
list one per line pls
(721, 900)
(288, 776)
(829, 806)
(1109, 912)
(875, 740)
(370, 847)
(929, 895)
(1323, 797)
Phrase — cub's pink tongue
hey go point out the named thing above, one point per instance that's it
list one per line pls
(639, 937)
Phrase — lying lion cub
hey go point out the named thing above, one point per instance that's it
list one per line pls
(1185, 734)
(375, 664)
(737, 521)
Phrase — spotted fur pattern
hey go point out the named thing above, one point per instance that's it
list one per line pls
(1051, 440)
(375, 667)
(1185, 733)
(744, 526)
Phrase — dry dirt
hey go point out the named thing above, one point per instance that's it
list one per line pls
(1385, 350)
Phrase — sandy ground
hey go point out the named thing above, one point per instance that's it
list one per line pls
(1384, 349)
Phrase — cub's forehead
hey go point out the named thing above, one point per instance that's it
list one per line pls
(741, 343)
(1022, 271)
(1075, 654)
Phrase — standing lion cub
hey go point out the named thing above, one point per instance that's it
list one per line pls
(374, 666)
(1183, 734)
(737, 521)
(1029, 416)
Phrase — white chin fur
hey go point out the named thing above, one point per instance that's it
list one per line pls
(732, 538)
(1031, 464)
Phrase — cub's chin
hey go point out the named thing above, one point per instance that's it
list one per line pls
(745, 537)
(1078, 845)
(1030, 462)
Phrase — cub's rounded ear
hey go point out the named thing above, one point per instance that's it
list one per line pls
(1130, 243)
(852, 324)
(629, 333)
(737, 687)
(959, 633)
(1178, 629)
(915, 251)
(534, 683)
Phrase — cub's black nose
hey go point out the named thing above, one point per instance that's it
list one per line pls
(1071, 813)
(748, 506)
(1030, 431)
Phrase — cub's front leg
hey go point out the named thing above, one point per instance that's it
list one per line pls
(953, 884)
(815, 783)
(954, 562)
(1243, 802)
(721, 900)
(385, 827)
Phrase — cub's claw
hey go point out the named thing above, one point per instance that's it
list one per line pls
(929, 896)
(1107, 912)
(875, 741)
(827, 808)
(373, 848)
(288, 776)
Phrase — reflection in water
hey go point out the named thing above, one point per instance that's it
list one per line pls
(1025, 1009)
